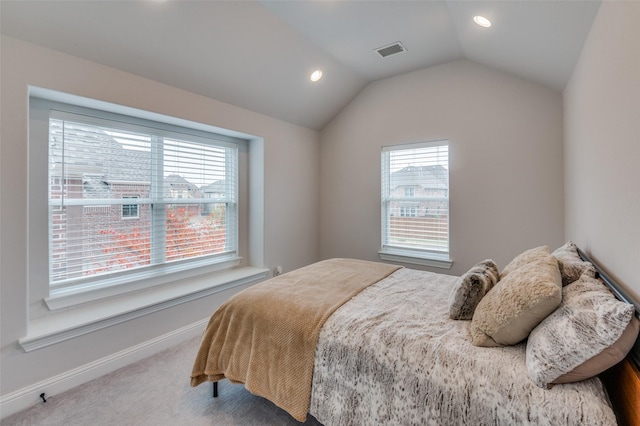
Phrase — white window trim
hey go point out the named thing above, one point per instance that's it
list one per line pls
(97, 289)
(435, 260)
(414, 256)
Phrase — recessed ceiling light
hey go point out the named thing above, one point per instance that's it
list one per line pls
(482, 21)
(316, 75)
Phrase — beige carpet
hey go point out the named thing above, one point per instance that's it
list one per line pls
(155, 391)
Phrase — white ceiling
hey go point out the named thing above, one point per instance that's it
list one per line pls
(258, 55)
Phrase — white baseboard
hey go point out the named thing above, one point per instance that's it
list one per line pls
(30, 395)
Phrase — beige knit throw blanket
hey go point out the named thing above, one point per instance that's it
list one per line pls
(266, 335)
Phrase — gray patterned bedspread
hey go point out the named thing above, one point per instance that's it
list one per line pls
(392, 356)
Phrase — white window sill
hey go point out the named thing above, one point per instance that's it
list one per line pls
(95, 290)
(70, 323)
(432, 259)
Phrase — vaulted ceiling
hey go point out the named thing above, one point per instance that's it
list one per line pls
(259, 54)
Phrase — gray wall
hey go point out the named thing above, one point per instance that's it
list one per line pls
(505, 137)
(602, 144)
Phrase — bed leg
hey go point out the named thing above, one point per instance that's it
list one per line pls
(215, 389)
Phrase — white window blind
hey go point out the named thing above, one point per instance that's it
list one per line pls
(415, 199)
(125, 195)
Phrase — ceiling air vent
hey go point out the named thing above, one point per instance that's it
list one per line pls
(391, 49)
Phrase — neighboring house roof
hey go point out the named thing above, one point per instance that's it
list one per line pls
(94, 186)
(428, 177)
(95, 156)
(101, 161)
(217, 187)
(178, 183)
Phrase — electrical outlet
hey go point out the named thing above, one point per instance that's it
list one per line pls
(278, 271)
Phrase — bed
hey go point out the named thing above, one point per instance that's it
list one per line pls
(353, 342)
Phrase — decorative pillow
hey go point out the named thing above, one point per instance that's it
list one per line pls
(571, 264)
(590, 332)
(519, 301)
(471, 288)
(524, 258)
(605, 359)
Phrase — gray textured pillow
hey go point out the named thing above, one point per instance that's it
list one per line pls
(471, 288)
(590, 332)
(519, 301)
(571, 264)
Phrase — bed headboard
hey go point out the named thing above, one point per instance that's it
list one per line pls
(623, 380)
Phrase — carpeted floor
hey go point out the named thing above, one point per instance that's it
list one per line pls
(155, 391)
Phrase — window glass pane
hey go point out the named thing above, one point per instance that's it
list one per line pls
(190, 166)
(93, 240)
(98, 162)
(191, 232)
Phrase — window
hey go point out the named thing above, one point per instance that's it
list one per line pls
(415, 202)
(130, 211)
(409, 211)
(105, 169)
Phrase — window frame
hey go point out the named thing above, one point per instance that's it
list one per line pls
(129, 206)
(90, 289)
(405, 254)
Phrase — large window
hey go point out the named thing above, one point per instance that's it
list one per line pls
(128, 194)
(415, 200)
